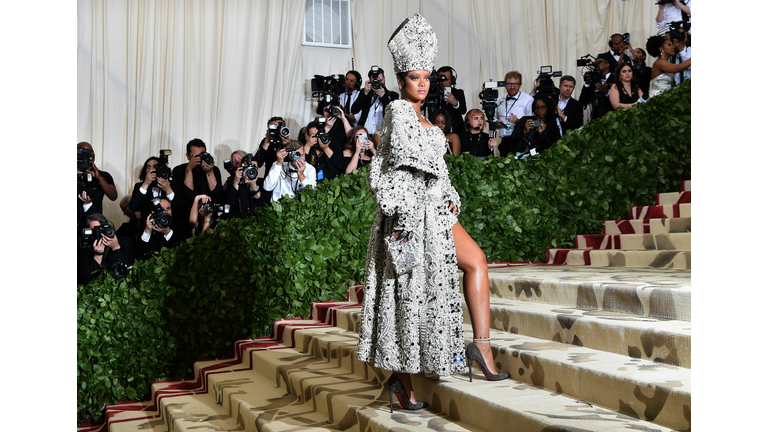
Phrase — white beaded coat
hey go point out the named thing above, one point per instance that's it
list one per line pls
(412, 323)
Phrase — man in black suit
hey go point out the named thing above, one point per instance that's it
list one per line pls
(617, 48)
(452, 98)
(568, 109)
(375, 99)
(198, 176)
(102, 250)
(156, 236)
(596, 95)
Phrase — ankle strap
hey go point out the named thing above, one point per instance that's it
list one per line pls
(482, 340)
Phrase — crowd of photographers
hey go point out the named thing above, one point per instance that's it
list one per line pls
(167, 206)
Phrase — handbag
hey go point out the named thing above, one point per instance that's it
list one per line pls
(403, 253)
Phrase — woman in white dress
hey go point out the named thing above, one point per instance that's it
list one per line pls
(663, 72)
(412, 322)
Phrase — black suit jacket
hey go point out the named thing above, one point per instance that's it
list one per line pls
(365, 101)
(574, 116)
(457, 114)
(607, 56)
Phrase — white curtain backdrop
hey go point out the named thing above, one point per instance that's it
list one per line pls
(153, 74)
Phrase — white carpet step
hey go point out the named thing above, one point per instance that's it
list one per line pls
(673, 198)
(662, 341)
(653, 225)
(674, 259)
(656, 293)
(650, 241)
(652, 391)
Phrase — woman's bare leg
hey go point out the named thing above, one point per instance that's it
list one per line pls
(406, 380)
(471, 260)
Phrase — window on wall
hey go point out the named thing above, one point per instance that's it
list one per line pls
(327, 23)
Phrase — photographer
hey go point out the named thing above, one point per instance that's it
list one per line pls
(205, 214)
(533, 134)
(596, 95)
(288, 177)
(452, 100)
(671, 11)
(134, 225)
(160, 229)
(150, 185)
(358, 150)
(643, 71)
(198, 176)
(679, 39)
(375, 99)
(513, 105)
(352, 83)
(330, 142)
(474, 141)
(93, 183)
(618, 46)
(101, 247)
(241, 191)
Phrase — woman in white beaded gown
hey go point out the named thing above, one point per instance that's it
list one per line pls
(663, 72)
(412, 322)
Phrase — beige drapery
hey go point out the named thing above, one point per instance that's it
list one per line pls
(153, 74)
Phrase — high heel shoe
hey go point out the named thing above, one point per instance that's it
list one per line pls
(473, 354)
(397, 387)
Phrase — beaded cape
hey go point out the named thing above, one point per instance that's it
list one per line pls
(412, 323)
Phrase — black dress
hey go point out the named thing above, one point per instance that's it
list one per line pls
(521, 142)
(475, 144)
(628, 99)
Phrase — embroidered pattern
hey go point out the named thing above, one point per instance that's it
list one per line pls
(412, 323)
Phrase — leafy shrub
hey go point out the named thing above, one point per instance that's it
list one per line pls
(195, 300)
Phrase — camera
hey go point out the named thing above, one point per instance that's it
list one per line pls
(488, 97)
(374, 76)
(276, 134)
(211, 207)
(87, 183)
(676, 26)
(83, 158)
(90, 235)
(292, 155)
(250, 168)
(206, 157)
(119, 269)
(160, 217)
(593, 75)
(162, 170)
(328, 88)
(546, 85)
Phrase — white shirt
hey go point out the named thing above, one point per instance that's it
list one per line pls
(375, 116)
(352, 98)
(521, 105)
(673, 13)
(561, 104)
(281, 181)
(685, 55)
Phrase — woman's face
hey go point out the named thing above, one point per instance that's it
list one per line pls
(440, 122)
(416, 85)
(668, 48)
(625, 73)
(540, 109)
(311, 136)
(476, 119)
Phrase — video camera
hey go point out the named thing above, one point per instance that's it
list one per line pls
(83, 158)
(488, 97)
(593, 74)
(328, 88)
(676, 26)
(159, 216)
(546, 85)
(432, 101)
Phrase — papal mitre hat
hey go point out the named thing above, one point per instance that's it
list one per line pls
(413, 45)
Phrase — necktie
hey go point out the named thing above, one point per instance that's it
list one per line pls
(346, 105)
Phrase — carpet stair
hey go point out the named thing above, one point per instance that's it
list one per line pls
(656, 236)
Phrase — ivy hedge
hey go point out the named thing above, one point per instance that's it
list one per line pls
(195, 300)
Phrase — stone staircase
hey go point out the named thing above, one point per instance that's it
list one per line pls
(589, 348)
(657, 236)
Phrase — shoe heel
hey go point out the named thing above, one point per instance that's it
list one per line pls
(391, 410)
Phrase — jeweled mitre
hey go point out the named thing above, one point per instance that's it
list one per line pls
(413, 45)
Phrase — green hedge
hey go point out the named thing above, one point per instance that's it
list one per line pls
(195, 300)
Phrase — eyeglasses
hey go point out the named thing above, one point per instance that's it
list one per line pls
(538, 108)
(515, 84)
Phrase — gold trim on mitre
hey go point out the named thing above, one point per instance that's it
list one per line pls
(413, 45)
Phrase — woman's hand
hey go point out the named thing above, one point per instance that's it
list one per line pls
(151, 177)
(452, 207)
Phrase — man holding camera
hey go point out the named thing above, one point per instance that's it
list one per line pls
(618, 46)
(671, 11)
(513, 105)
(101, 247)
(159, 229)
(290, 174)
(679, 39)
(374, 102)
(452, 99)
(596, 95)
(93, 183)
(198, 176)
